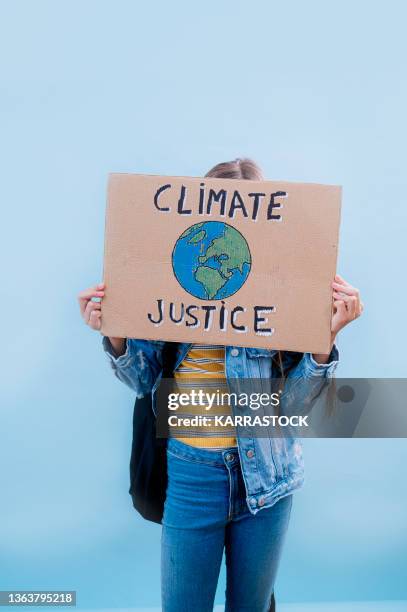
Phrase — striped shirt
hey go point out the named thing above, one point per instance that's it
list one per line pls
(203, 369)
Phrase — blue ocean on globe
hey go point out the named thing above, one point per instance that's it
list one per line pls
(211, 260)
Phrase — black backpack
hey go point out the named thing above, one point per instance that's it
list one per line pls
(148, 461)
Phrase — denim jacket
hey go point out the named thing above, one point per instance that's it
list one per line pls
(272, 467)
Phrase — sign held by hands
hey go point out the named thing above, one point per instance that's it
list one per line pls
(220, 261)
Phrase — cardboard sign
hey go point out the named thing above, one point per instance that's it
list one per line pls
(231, 262)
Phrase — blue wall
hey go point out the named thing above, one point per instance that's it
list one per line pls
(314, 91)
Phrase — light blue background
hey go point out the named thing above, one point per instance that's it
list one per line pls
(315, 91)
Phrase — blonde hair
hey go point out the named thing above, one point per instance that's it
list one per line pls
(240, 168)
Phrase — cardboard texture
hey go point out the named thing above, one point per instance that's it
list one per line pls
(231, 262)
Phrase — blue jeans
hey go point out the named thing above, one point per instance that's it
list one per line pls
(205, 513)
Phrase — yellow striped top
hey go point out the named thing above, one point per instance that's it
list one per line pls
(204, 363)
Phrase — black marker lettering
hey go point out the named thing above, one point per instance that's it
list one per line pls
(181, 201)
(259, 320)
(235, 311)
(223, 317)
(160, 313)
(236, 206)
(216, 197)
(256, 203)
(190, 314)
(208, 315)
(157, 195)
(172, 317)
(274, 204)
(201, 198)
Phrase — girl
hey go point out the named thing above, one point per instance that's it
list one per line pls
(225, 492)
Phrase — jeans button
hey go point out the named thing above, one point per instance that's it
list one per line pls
(229, 457)
(262, 501)
(253, 502)
(250, 454)
(234, 352)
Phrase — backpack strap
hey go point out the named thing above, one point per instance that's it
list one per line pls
(169, 358)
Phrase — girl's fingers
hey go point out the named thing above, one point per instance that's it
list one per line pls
(95, 319)
(91, 307)
(91, 293)
(88, 294)
(84, 302)
(343, 296)
(339, 317)
(358, 309)
(351, 307)
(339, 304)
(340, 280)
(347, 303)
(347, 289)
(352, 304)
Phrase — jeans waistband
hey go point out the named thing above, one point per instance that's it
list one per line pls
(220, 458)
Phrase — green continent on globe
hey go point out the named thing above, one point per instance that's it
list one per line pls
(189, 230)
(211, 279)
(197, 238)
(230, 250)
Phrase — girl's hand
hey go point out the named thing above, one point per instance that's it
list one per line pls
(92, 314)
(347, 308)
(347, 304)
(90, 310)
